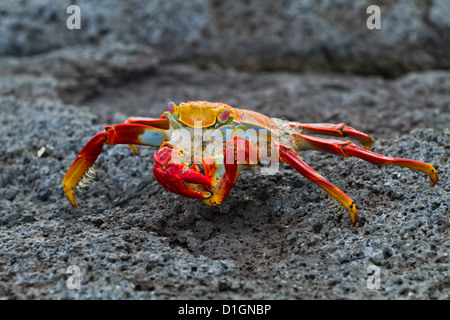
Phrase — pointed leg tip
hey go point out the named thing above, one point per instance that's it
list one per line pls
(353, 213)
(134, 149)
(71, 197)
(368, 144)
(354, 218)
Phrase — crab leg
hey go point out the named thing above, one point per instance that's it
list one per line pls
(289, 156)
(225, 170)
(179, 177)
(80, 171)
(161, 123)
(348, 149)
(335, 130)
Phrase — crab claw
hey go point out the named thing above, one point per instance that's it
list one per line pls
(179, 178)
(82, 165)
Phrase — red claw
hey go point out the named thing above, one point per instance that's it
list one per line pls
(179, 178)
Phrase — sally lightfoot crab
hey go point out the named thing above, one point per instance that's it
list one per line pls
(203, 146)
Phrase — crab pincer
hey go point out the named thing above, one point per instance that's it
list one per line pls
(81, 168)
(180, 178)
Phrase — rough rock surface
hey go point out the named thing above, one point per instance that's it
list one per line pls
(254, 35)
(273, 238)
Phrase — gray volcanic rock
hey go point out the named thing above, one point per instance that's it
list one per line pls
(252, 35)
(273, 238)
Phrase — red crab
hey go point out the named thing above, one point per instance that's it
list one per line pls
(203, 146)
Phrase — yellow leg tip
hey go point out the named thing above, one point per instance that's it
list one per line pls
(134, 148)
(353, 213)
(433, 176)
(70, 196)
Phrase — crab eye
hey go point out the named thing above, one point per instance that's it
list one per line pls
(171, 107)
(224, 115)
